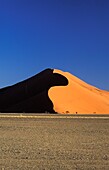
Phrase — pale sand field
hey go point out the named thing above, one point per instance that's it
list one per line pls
(78, 97)
(50, 143)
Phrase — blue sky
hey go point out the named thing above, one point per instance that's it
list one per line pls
(71, 35)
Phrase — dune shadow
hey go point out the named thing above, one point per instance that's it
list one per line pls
(31, 95)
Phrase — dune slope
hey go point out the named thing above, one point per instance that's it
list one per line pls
(78, 97)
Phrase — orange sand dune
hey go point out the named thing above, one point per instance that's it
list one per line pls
(78, 97)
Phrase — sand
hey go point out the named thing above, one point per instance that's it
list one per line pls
(54, 144)
(78, 97)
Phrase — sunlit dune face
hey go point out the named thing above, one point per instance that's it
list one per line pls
(78, 97)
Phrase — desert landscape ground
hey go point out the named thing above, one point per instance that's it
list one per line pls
(54, 142)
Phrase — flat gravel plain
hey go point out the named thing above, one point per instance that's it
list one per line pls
(54, 143)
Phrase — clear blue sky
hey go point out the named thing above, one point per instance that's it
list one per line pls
(71, 35)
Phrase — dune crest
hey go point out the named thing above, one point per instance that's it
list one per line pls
(78, 97)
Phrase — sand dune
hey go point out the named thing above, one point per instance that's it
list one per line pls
(78, 97)
(53, 91)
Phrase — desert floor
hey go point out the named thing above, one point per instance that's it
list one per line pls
(54, 143)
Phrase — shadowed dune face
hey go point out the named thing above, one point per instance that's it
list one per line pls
(31, 95)
(78, 97)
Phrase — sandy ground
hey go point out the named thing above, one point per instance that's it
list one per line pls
(54, 144)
